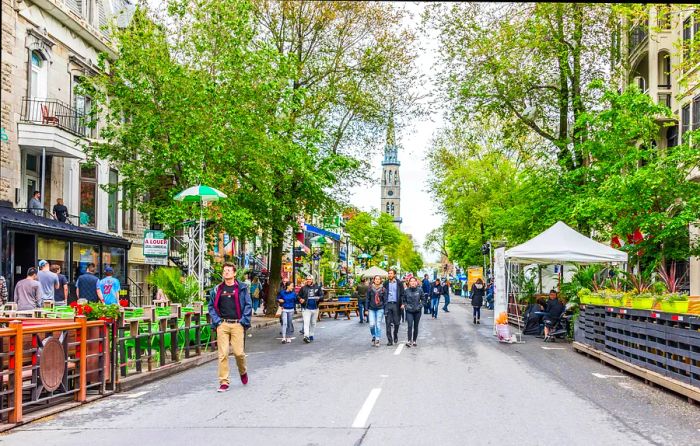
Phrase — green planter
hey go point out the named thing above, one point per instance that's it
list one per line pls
(679, 306)
(597, 300)
(586, 299)
(642, 303)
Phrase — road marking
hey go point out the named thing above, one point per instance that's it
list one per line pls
(625, 386)
(552, 348)
(398, 349)
(137, 394)
(366, 409)
(601, 376)
(383, 376)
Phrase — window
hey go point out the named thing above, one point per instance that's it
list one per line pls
(88, 195)
(687, 37)
(396, 177)
(55, 251)
(696, 112)
(83, 106)
(388, 208)
(128, 215)
(83, 255)
(112, 203)
(672, 136)
(116, 258)
(664, 17)
(38, 77)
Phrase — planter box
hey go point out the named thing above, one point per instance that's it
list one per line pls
(675, 307)
(643, 303)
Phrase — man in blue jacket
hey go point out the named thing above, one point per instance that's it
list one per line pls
(425, 285)
(230, 308)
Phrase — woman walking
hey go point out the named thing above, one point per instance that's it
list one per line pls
(288, 300)
(413, 300)
(376, 299)
(477, 295)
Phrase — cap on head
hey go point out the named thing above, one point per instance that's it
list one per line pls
(109, 270)
(42, 263)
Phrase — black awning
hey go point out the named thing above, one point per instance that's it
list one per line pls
(12, 218)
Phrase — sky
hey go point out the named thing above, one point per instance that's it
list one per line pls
(417, 208)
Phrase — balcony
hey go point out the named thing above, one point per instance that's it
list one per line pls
(51, 125)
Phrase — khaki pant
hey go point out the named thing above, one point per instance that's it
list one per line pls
(310, 317)
(228, 334)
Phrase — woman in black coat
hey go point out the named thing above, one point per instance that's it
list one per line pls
(477, 294)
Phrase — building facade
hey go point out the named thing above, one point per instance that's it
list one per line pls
(391, 181)
(658, 52)
(48, 48)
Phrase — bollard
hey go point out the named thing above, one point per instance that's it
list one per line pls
(81, 395)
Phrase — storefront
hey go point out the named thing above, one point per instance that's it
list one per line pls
(26, 238)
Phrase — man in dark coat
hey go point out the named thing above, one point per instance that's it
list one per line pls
(393, 307)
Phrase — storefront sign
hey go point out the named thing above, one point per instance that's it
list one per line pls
(156, 247)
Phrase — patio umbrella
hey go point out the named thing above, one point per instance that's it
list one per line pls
(199, 194)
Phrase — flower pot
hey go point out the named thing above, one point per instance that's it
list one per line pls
(679, 306)
(597, 300)
(586, 299)
(642, 303)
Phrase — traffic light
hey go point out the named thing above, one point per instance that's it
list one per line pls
(486, 248)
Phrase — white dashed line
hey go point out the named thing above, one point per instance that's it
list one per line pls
(363, 414)
(398, 349)
(137, 394)
(601, 376)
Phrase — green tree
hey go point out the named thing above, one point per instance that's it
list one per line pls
(406, 254)
(373, 232)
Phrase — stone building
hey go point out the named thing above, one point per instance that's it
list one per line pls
(48, 48)
(658, 53)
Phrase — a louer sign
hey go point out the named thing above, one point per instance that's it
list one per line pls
(155, 247)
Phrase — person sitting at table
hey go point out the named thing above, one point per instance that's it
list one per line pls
(553, 311)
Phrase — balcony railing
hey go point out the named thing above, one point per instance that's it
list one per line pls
(56, 113)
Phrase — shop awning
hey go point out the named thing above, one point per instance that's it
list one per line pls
(323, 232)
(12, 218)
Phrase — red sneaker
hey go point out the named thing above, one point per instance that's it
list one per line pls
(244, 378)
(223, 388)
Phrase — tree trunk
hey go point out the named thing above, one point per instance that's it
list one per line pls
(275, 274)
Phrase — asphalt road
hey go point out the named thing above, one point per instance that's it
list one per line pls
(459, 386)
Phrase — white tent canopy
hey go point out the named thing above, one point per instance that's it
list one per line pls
(561, 244)
(374, 271)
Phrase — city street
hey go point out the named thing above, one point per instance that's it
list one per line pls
(460, 386)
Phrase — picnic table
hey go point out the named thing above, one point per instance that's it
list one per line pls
(338, 306)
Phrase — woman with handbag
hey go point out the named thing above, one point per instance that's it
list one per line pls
(376, 299)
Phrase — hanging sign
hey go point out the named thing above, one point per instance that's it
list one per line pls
(156, 247)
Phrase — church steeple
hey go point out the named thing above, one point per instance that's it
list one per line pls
(391, 182)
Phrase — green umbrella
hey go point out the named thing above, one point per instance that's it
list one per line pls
(364, 256)
(199, 193)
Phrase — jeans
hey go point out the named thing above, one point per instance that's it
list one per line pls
(375, 320)
(412, 319)
(477, 313)
(287, 326)
(233, 335)
(361, 308)
(392, 314)
(447, 302)
(434, 304)
(256, 305)
(426, 307)
(310, 317)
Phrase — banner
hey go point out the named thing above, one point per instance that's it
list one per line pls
(500, 303)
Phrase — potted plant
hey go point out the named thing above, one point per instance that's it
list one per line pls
(178, 289)
(643, 301)
(675, 303)
(585, 296)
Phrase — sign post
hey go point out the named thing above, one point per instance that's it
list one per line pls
(156, 247)
(500, 299)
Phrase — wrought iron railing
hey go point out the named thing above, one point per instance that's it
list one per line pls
(56, 113)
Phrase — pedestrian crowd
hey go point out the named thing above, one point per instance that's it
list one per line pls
(46, 283)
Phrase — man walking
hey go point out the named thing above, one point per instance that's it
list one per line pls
(28, 292)
(60, 295)
(230, 309)
(310, 296)
(425, 286)
(435, 294)
(110, 287)
(446, 292)
(48, 280)
(88, 285)
(393, 307)
(361, 293)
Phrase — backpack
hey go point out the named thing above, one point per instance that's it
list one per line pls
(256, 292)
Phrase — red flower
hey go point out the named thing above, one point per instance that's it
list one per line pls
(79, 310)
(123, 303)
(73, 304)
(87, 309)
